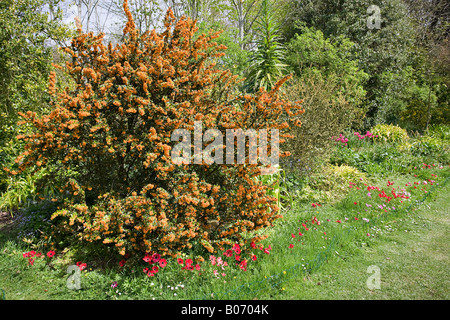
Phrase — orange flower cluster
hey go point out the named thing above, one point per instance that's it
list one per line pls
(114, 129)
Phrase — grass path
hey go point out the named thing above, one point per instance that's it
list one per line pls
(412, 255)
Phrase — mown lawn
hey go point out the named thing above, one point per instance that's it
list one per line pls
(412, 255)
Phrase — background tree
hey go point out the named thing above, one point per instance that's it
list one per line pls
(334, 60)
(148, 14)
(383, 53)
(432, 23)
(328, 80)
(29, 30)
(26, 53)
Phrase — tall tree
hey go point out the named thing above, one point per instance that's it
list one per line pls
(384, 52)
(432, 19)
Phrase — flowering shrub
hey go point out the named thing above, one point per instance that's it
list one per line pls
(114, 130)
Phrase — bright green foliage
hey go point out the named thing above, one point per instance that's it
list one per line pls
(435, 144)
(26, 35)
(236, 59)
(311, 53)
(25, 58)
(440, 131)
(389, 133)
(267, 62)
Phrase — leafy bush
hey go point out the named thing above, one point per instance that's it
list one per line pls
(441, 132)
(326, 113)
(389, 133)
(114, 130)
(330, 184)
(346, 173)
(429, 146)
(311, 53)
(36, 220)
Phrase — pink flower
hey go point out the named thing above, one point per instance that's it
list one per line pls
(81, 265)
(189, 267)
(243, 265)
(156, 257)
(50, 253)
(266, 251)
(162, 263)
(197, 267)
(228, 253)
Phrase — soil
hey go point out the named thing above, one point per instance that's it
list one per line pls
(6, 222)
